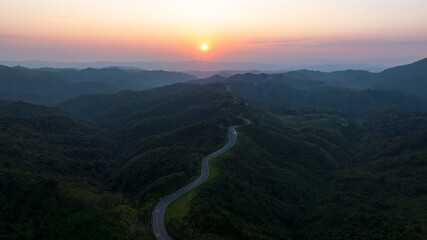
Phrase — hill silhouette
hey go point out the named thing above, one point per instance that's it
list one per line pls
(50, 86)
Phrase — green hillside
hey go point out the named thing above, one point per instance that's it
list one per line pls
(50, 86)
(317, 162)
(306, 184)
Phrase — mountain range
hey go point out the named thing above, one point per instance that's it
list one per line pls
(50, 86)
(410, 79)
(375, 65)
(338, 155)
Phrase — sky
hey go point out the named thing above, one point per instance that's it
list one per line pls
(268, 31)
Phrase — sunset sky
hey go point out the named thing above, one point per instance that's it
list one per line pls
(268, 31)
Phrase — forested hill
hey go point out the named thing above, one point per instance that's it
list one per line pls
(101, 180)
(409, 79)
(93, 106)
(279, 91)
(49, 86)
(123, 78)
(315, 176)
(317, 162)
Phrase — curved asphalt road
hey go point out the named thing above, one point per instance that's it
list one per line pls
(160, 209)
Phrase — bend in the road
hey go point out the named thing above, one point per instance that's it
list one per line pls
(160, 209)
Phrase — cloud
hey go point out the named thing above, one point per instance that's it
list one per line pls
(7, 36)
(282, 41)
(288, 42)
(367, 43)
(325, 42)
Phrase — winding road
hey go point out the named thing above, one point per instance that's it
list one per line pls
(160, 209)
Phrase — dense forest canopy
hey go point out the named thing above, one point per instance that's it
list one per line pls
(327, 156)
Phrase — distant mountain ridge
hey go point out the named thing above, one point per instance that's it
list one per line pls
(181, 66)
(199, 66)
(135, 79)
(20, 84)
(410, 79)
(50, 86)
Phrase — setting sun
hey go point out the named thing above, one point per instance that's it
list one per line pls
(204, 47)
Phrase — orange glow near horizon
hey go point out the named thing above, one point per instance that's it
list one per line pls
(239, 30)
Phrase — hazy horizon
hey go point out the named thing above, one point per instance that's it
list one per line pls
(327, 65)
(273, 32)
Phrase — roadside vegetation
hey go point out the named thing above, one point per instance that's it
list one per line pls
(316, 163)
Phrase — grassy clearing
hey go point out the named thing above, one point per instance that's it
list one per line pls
(180, 207)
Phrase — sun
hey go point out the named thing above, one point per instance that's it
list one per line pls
(204, 47)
